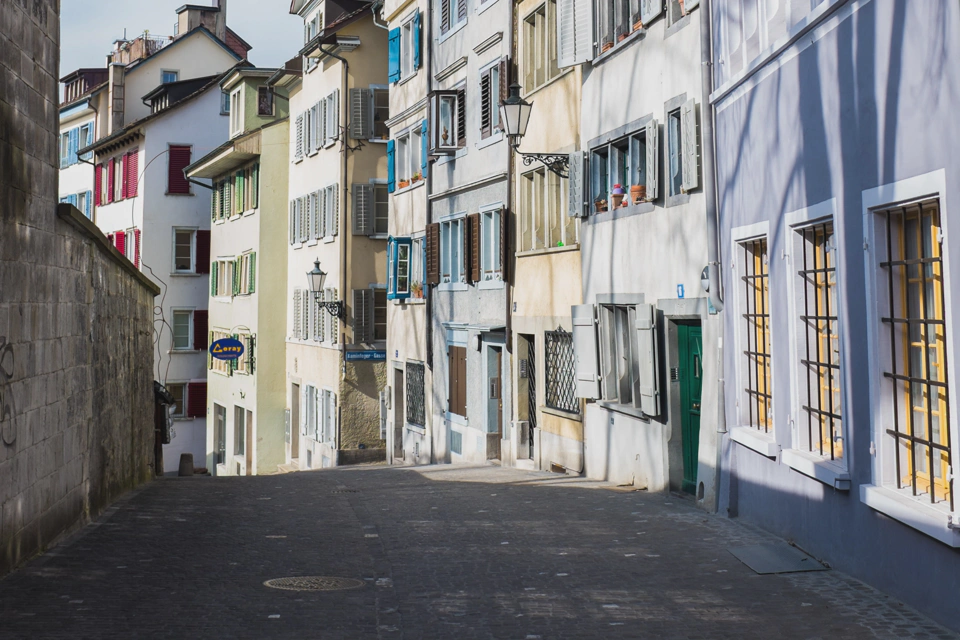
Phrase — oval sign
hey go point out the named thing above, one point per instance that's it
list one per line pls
(226, 349)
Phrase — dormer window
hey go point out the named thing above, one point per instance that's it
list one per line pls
(236, 114)
(167, 76)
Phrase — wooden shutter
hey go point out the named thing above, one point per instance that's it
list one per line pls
(503, 91)
(214, 272)
(474, 245)
(653, 159)
(486, 105)
(690, 179)
(505, 253)
(391, 166)
(416, 40)
(461, 118)
(252, 277)
(360, 125)
(576, 200)
(131, 166)
(121, 242)
(574, 32)
(179, 159)
(461, 10)
(585, 351)
(136, 247)
(124, 176)
(424, 147)
(393, 55)
(214, 202)
(648, 398)
(292, 222)
(362, 316)
(203, 251)
(87, 203)
(197, 400)
(200, 329)
(451, 379)
(110, 169)
(97, 183)
(298, 142)
(255, 186)
(650, 9)
(444, 16)
(461, 381)
(362, 209)
(331, 211)
(296, 313)
(433, 253)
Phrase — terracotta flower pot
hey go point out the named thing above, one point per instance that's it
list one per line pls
(617, 198)
(637, 25)
(606, 46)
(638, 193)
(403, 183)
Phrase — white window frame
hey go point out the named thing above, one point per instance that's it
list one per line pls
(164, 72)
(409, 146)
(406, 47)
(182, 413)
(418, 265)
(243, 260)
(236, 113)
(193, 249)
(491, 226)
(222, 276)
(540, 216)
(173, 331)
(455, 23)
(882, 495)
(450, 279)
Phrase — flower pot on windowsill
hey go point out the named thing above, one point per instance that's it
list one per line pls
(637, 25)
(416, 178)
(601, 205)
(638, 193)
(607, 45)
(416, 290)
(616, 199)
(403, 184)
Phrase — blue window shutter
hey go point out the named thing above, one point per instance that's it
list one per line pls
(424, 139)
(391, 168)
(88, 203)
(416, 41)
(72, 199)
(393, 49)
(65, 200)
(74, 145)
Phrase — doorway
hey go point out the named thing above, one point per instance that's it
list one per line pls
(494, 402)
(527, 386)
(690, 377)
(398, 414)
(294, 421)
(249, 452)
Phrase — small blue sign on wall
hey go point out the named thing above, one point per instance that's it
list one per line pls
(353, 356)
(226, 349)
(679, 290)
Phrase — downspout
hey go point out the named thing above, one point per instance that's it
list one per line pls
(713, 236)
(509, 228)
(425, 40)
(374, 7)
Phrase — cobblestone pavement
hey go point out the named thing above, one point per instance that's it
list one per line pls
(443, 552)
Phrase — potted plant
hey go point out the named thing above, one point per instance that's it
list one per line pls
(617, 195)
(607, 45)
(600, 204)
(622, 34)
(402, 183)
(417, 177)
(637, 23)
(638, 193)
(416, 289)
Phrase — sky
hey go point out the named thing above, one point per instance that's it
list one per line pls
(89, 27)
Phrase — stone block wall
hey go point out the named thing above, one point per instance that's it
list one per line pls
(76, 319)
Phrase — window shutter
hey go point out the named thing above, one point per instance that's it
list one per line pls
(461, 118)
(360, 114)
(650, 9)
(296, 313)
(691, 155)
(214, 272)
(504, 247)
(486, 105)
(362, 316)
(87, 203)
(362, 209)
(179, 159)
(292, 233)
(72, 199)
(474, 247)
(330, 419)
(585, 351)
(120, 240)
(214, 202)
(298, 143)
(415, 37)
(97, 183)
(444, 16)
(136, 247)
(393, 55)
(203, 251)
(320, 204)
(303, 217)
(124, 177)
(332, 211)
(504, 76)
(74, 145)
(576, 206)
(233, 362)
(255, 187)
(424, 148)
(461, 10)
(391, 166)
(197, 400)
(653, 159)
(110, 169)
(309, 304)
(251, 358)
(200, 329)
(253, 272)
(131, 167)
(649, 395)
(236, 276)
(574, 32)
(433, 253)
(89, 141)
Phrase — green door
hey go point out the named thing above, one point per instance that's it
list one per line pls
(690, 339)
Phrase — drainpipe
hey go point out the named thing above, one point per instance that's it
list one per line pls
(509, 229)
(426, 39)
(378, 6)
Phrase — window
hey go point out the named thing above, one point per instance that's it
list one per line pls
(239, 415)
(379, 314)
(820, 426)
(381, 209)
(540, 47)
(179, 393)
(118, 179)
(544, 222)
(224, 103)
(491, 92)
(453, 13)
(407, 48)
(616, 19)
(83, 202)
(167, 76)
(451, 251)
(245, 267)
(236, 113)
(264, 101)
(311, 413)
(629, 162)
(182, 322)
(184, 251)
(311, 28)
(220, 428)
(449, 121)
(65, 149)
(86, 139)
(674, 154)
(369, 315)
(408, 162)
(418, 275)
(457, 380)
(491, 251)
(744, 33)
(214, 364)
(222, 277)
(415, 396)
(560, 386)
(755, 371)
(381, 113)
(398, 268)
(328, 417)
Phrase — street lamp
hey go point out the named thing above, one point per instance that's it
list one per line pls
(316, 277)
(515, 115)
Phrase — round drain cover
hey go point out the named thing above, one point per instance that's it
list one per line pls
(314, 583)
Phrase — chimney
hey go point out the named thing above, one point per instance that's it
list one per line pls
(115, 97)
(221, 30)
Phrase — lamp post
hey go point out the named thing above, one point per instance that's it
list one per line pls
(515, 115)
(316, 277)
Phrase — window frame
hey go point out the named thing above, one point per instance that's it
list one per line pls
(537, 208)
(220, 433)
(379, 90)
(634, 166)
(264, 90)
(410, 138)
(458, 124)
(183, 386)
(173, 329)
(536, 43)
(491, 228)
(193, 249)
(222, 276)
(165, 72)
(447, 257)
(236, 112)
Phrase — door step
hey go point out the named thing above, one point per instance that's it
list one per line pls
(289, 468)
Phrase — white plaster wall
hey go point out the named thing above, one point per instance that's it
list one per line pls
(77, 177)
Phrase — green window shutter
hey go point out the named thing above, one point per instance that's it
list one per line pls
(236, 277)
(213, 204)
(251, 359)
(233, 363)
(214, 269)
(253, 272)
(209, 357)
(255, 187)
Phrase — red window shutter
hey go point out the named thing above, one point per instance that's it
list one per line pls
(197, 400)
(131, 168)
(136, 250)
(200, 328)
(179, 159)
(98, 183)
(124, 177)
(110, 169)
(203, 251)
(121, 240)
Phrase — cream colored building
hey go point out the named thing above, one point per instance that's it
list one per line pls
(249, 173)
(337, 198)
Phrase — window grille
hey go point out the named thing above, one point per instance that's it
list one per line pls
(757, 315)
(560, 385)
(917, 369)
(821, 342)
(532, 384)
(416, 413)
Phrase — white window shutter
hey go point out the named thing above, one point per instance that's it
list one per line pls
(653, 158)
(334, 323)
(575, 196)
(304, 218)
(296, 313)
(362, 209)
(585, 350)
(360, 128)
(691, 152)
(649, 10)
(332, 212)
(298, 147)
(292, 223)
(649, 396)
(574, 32)
(330, 421)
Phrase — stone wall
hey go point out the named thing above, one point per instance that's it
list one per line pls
(76, 391)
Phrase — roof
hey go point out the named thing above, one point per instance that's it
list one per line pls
(136, 65)
(330, 30)
(233, 33)
(73, 75)
(179, 89)
(245, 72)
(86, 96)
(230, 155)
(292, 68)
(201, 7)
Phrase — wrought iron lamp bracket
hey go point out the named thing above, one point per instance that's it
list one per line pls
(334, 308)
(555, 162)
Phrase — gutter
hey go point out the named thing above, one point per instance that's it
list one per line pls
(427, 37)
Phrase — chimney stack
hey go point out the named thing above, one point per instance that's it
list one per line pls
(221, 30)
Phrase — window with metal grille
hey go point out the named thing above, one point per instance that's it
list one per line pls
(560, 385)
(819, 332)
(755, 373)
(416, 413)
(916, 369)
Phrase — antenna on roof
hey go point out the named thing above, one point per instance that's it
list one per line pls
(124, 33)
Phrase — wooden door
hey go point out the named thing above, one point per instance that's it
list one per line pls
(690, 343)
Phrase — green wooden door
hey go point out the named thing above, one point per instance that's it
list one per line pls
(690, 339)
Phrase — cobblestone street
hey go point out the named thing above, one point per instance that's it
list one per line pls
(443, 552)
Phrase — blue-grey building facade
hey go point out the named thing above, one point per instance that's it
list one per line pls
(835, 170)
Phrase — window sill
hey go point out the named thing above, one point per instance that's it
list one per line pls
(297, 245)
(379, 236)
(625, 409)
(560, 413)
(172, 351)
(828, 472)
(409, 187)
(549, 82)
(449, 34)
(174, 194)
(492, 139)
(249, 212)
(407, 78)
(329, 239)
(330, 143)
(932, 521)
(378, 140)
(312, 243)
(548, 250)
(462, 151)
(185, 274)
(452, 286)
(313, 153)
(484, 5)
(456, 419)
(219, 373)
(223, 298)
(415, 428)
(404, 301)
(182, 418)
(752, 439)
(619, 46)
(622, 212)
(490, 284)
(298, 160)
(220, 221)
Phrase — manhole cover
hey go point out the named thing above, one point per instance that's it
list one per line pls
(344, 491)
(314, 583)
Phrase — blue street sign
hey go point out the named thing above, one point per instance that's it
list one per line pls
(353, 356)
(226, 349)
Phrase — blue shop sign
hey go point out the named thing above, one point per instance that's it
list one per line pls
(226, 349)
(353, 356)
